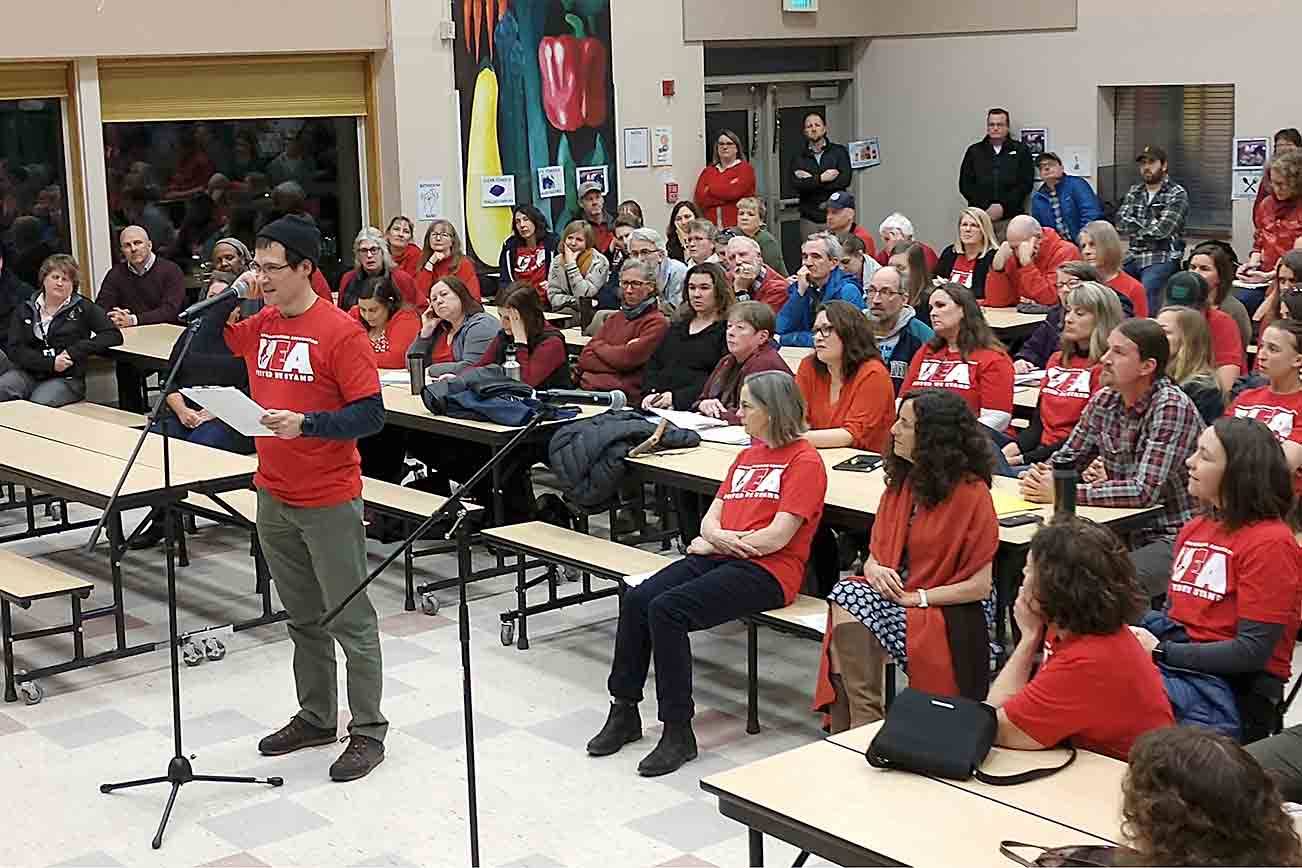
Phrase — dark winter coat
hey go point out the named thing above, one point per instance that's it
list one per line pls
(588, 456)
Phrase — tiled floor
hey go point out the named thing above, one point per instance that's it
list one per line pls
(542, 800)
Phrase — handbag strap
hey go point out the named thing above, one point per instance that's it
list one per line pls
(1023, 777)
(1006, 850)
(1060, 855)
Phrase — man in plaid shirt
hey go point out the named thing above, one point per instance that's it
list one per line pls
(1143, 428)
(1152, 215)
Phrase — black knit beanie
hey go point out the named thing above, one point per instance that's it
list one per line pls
(297, 233)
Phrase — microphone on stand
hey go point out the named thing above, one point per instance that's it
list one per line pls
(615, 400)
(238, 289)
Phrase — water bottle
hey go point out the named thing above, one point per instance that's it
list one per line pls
(511, 366)
(1065, 478)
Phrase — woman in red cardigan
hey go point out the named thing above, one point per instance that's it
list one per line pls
(847, 389)
(441, 255)
(725, 181)
(925, 593)
(399, 237)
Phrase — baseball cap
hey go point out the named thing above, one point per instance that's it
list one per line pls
(1151, 152)
(1187, 288)
(840, 199)
(588, 187)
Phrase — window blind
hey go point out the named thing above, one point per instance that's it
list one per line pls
(33, 80)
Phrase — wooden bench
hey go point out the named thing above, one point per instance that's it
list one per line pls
(22, 582)
(105, 413)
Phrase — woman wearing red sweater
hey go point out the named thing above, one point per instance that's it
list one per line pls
(399, 236)
(441, 255)
(371, 253)
(391, 326)
(618, 353)
(724, 182)
(1100, 245)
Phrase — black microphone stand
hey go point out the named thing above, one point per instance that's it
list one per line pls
(179, 770)
(453, 505)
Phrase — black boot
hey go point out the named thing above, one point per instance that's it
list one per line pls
(151, 535)
(677, 746)
(623, 726)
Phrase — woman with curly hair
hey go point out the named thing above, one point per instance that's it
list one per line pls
(926, 584)
(964, 357)
(1097, 686)
(1193, 797)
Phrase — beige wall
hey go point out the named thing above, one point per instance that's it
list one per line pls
(936, 90)
(840, 19)
(113, 28)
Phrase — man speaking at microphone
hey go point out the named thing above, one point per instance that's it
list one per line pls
(314, 370)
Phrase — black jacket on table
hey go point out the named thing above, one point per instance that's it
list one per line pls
(683, 361)
(82, 329)
(813, 193)
(13, 292)
(1006, 178)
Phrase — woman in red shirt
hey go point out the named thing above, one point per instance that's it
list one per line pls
(725, 181)
(964, 357)
(1236, 580)
(441, 255)
(924, 596)
(391, 326)
(749, 558)
(967, 261)
(527, 253)
(1100, 245)
(405, 254)
(1071, 377)
(1277, 217)
(1278, 404)
(1286, 282)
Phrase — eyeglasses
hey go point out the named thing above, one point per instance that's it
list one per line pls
(440, 234)
(267, 267)
(633, 284)
(1068, 284)
(823, 331)
(369, 251)
(878, 291)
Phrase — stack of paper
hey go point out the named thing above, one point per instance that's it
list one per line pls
(1030, 378)
(690, 421)
(731, 435)
(1007, 503)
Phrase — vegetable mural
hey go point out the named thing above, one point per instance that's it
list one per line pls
(535, 90)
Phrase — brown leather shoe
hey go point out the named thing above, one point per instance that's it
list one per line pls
(362, 754)
(295, 735)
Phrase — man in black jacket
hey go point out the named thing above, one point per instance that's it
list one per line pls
(997, 173)
(13, 292)
(817, 172)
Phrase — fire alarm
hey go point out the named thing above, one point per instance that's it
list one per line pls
(667, 87)
(671, 192)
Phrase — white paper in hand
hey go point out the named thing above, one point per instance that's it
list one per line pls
(231, 406)
(690, 421)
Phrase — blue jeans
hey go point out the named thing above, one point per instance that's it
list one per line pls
(214, 433)
(1154, 278)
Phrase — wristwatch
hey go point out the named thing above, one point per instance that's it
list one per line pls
(922, 598)
(309, 425)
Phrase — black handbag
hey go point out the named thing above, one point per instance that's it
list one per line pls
(945, 737)
(1070, 856)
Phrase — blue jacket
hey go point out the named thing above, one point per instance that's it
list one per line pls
(1197, 698)
(1078, 201)
(796, 319)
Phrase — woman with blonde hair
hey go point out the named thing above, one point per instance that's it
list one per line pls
(442, 255)
(967, 261)
(1100, 245)
(751, 213)
(578, 269)
(1191, 366)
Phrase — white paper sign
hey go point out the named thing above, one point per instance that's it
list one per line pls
(429, 199)
(551, 182)
(865, 153)
(637, 148)
(497, 191)
(662, 146)
(1077, 160)
(1246, 183)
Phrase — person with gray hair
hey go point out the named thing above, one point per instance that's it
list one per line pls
(649, 246)
(699, 242)
(751, 279)
(819, 280)
(896, 228)
(749, 558)
(1031, 256)
(371, 253)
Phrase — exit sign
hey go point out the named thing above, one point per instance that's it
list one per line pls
(799, 5)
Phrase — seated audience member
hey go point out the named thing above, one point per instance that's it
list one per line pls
(51, 336)
(699, 242)
(371, 253)
(1214, 262)
(967, 261)
(964, 357)
(680, 216)
(1286, 282)
(231, 255)
(847, 391)
(751, 349)
(1030, 258)
(841, 216)
(593, 202)
(694, 343)
(819, 281)
(1193, 797)
(528, 252)
(442, 255)
(617, 354)
(750, 557)
(1100, 246)
(1232, 603)
(897, 228)
(391, 327)
(608, 296)
(855, 261)
(632, 209)
(399, 236)
(1190, 290)
(538, 347)
(1097, 686)
(455, 330)
(1044, 340)
(896, 328)
(1143, 427)
(1072, 375)
(752, 280)
(14, 291)
(928, 575)
(143, 289)
(1190, 366)
(1277, 216)
(1064, 202)
(648, 247)
(910, 260)
(1278, 404)
(578, 270)
(750, 220)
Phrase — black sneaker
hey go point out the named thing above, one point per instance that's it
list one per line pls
(150, 536)
(295, 735)
(677, 746)
(362, 754)
(623, 726)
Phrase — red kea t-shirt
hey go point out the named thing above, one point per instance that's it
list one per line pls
(318, 361)
(530, 266)
(1063, 395)
(1282, 414)
(984, 381)
(1220, 577)
(763, 482)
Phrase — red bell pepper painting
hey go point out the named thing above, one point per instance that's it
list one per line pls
(573, 78)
